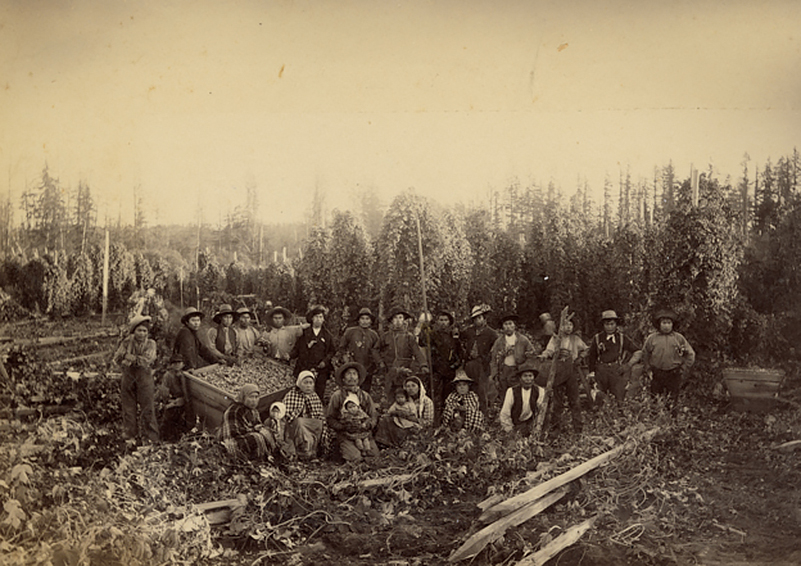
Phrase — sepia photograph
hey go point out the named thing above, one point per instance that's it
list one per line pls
(400, 283)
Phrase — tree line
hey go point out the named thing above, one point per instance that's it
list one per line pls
(723, 253)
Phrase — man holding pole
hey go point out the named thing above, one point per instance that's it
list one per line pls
(477, 343)
(399, 351)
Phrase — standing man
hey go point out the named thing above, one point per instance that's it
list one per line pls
(509, 351)
(315, 348)
(445, 358)
(188, 346)
(360, 344)
(279, 340)
(246, 335)
(477, 343)
(399, 352)
(135, 356)
(612, 356)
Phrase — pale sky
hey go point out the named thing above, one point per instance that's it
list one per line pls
(191, 101)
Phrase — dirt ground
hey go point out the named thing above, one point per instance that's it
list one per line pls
(711, 489)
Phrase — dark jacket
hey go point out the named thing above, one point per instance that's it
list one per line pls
(310, 350)
(479, 343)
(194, 353)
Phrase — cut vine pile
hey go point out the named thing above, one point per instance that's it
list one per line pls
(709, 488)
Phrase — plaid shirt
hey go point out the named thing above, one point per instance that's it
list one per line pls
(298, 404)
(468, 406)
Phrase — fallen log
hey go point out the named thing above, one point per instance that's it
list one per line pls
(47, 410)
(216, 512)
(57, 340)
(80, 358)
(375, 482)
(558, 544)
(574, 473)
(788, 446)
(496, 530)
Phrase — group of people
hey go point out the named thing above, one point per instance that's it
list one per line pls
(434, 375)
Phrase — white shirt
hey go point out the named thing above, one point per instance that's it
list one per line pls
(525, 414)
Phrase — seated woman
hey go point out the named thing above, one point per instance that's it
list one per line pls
(349, 377)
(243, 435)
(305, 424)
(461, 407)
(401, 420)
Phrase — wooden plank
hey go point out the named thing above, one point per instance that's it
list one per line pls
(574, 473)
(558, 544)
(496, 530)
(788, 446)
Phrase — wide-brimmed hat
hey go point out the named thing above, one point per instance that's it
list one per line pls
(282, 310)
(344, 367)
(664, 313)
(222, 311)
(449, 314)
(136, 321)
(396, 311)
(528, 365)
(479, 310)
(243, 310)
(509, 316)
(190, 312)
(609, 315)
(281, 409)
(365, 311)
(315, 309)
(461, 375)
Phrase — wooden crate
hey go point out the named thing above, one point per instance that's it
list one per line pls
(753, 389)
(210, 402)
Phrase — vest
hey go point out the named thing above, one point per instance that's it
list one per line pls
(219, 343)
(517, 402)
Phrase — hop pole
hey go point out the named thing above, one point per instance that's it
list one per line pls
(540, 422)
(426, 324)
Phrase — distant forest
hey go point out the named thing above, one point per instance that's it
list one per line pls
(724, 253)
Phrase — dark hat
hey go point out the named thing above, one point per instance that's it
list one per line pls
(222, 311)
(396, 311)
(528, 365)
(243, 310)
(276, 310)
(315, 309)
(190, 312)
(509, 316)
(545, 317)
(137, 321)
(609, 315)
(479, 310)
(461, 375)
(366, 311)
(176, 358)
(359, 367)
(664, 313)
(448, 314)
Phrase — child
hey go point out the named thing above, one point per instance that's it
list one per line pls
(669, 356)
(461, 407)
(177, 416)
(403, 410)
(358, 425)
(569, 349)
(135, 356)
(276, 429)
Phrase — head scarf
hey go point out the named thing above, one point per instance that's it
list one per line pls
(303, 375)
(281, 409)
(418, 403)
(246, 390)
